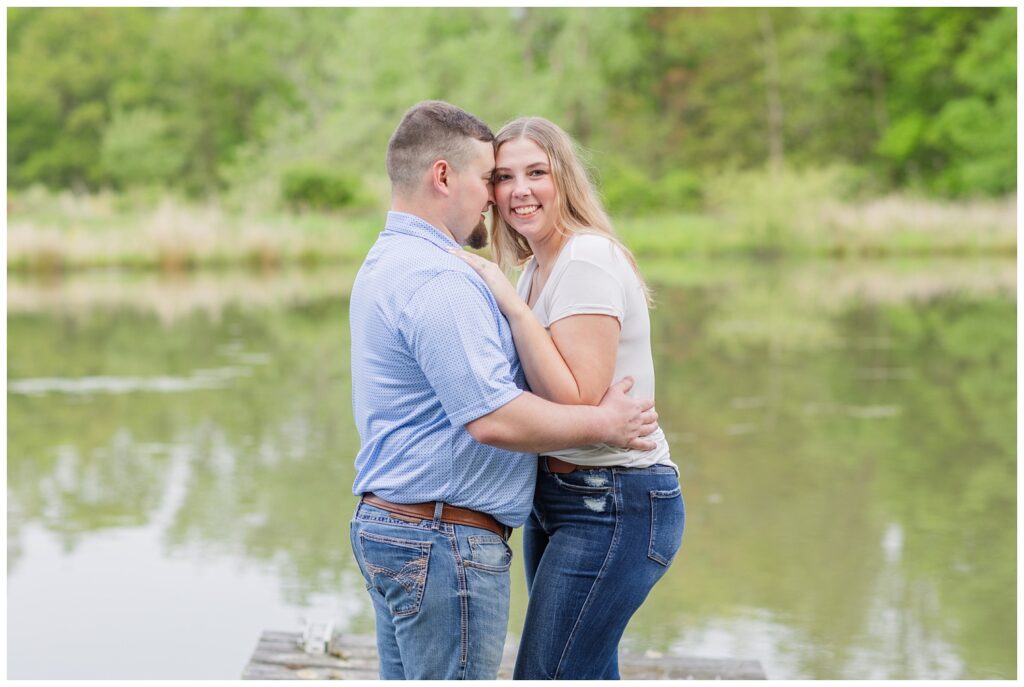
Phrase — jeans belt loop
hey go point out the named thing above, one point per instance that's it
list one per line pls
(438, 509)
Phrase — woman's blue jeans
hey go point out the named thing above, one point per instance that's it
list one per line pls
(594, 546)
(440, 594)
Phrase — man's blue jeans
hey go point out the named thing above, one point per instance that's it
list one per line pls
(594, 546)
(440, 593)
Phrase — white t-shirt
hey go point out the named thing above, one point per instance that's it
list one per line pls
(593, 276)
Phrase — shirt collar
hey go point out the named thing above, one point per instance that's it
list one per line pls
(411, 225)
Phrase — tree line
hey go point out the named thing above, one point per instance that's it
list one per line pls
(206, 101)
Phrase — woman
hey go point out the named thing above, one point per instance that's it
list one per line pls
(606, 522)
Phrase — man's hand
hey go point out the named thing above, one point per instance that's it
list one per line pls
(629, 420)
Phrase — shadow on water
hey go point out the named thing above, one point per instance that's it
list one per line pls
(846, 434)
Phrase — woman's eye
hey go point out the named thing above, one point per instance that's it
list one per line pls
(538, 172)
(500, 177)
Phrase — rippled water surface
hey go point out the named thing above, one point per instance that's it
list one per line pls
(180, 463)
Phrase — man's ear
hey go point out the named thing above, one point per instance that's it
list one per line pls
(440, 177)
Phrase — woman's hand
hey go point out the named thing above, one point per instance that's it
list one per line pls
(505, 294)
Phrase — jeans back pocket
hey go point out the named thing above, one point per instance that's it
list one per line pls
(397, 569)
(667, 520)
(488, 552)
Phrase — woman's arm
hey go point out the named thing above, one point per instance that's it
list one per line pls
(572, 365)
(575, 363)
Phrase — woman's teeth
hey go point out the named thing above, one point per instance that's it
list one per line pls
(526, 210)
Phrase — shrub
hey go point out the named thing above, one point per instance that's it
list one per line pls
(138, 148)
(313, 187)
(775, 209)
(630, 190)
(679, 189)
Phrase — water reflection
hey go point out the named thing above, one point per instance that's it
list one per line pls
(199, 379)
(174, 297)
(845, 432)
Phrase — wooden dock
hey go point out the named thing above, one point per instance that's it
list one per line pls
(278, 656)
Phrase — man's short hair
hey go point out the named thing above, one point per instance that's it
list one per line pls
(430, 131)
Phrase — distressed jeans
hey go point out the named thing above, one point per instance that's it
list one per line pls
(594, 546)
(440, 595)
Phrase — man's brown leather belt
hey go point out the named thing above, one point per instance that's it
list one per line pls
(449, 514)
(561, 467)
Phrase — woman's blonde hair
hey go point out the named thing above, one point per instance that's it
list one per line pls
(578, 209)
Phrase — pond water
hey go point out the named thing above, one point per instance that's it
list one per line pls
(180, 461)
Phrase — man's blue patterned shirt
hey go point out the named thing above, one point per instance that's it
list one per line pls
(432, 352)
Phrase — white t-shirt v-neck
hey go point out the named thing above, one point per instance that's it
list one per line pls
(593, 276)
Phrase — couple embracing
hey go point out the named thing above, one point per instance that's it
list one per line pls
(482, 407)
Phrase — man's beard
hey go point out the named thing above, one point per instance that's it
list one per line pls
(478, 237)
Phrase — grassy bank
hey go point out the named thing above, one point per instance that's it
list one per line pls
(60, 232)
(893, 226)
(68, 232)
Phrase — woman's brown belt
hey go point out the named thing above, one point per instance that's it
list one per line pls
(558, 466)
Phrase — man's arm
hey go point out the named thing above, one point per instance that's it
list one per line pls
(528, 423)
(452, 332)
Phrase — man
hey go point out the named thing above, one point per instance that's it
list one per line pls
(448, 461)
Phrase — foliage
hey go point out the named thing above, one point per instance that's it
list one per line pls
(628, 190)
(940, 84)
(776, 209)
(225, 100)
(314, 187)
(137, 148)
(60, 82)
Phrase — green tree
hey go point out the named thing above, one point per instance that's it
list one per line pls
(138, 148)
(979, 128)
(939, 84)
(64, 64)
(222, 99)
(214, 73)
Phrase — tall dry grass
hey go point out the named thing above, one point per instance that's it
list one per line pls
(753, 213)
(74, 232)
(821, 213)
(822, 210)
(973, 223)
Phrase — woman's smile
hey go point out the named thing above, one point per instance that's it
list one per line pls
(523, 188)
(525, 211)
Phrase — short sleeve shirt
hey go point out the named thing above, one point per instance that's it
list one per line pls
(592, 276)
(431, 352)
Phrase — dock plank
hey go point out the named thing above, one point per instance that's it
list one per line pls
(354, 657)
